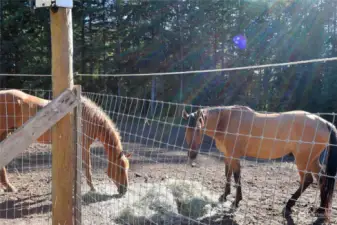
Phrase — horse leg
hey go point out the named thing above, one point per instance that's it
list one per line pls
(233, 165)
(315, 168)
(3, 174)
(87, 167)
(305, 180)
(228, 171)
(5, 182)
(237, 179)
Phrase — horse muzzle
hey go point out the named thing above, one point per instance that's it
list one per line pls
(192, 154)
(122, 189)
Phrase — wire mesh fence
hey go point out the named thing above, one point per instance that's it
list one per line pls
(140, 172)
(164, 188)
(26, 183)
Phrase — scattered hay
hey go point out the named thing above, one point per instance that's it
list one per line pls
(168, 202)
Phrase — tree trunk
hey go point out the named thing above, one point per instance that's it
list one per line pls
(83, 61)
(91, 42)
(118, 49)
(3, 79)
(104, 37)
(153, 85)
(181, 54)
(153, 95)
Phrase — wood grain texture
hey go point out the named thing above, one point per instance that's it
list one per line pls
(63, 132)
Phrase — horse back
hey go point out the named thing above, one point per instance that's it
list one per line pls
(269, 135)
(16, 107)
(291, 125)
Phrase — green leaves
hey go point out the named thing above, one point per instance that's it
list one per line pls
(115, 36)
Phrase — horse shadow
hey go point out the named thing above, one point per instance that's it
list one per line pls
(290, 221)
(174, 218)
(215, 220)
(19, 208)
(93, 197)
(318, 221)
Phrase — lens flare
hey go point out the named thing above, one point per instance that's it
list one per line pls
(240, 41)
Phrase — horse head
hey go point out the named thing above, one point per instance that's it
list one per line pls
(193, 132)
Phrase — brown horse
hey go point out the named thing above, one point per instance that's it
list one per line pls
(240, 131)
(16, 107)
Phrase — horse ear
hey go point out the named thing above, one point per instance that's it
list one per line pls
(201, 118)
(185, 114)
(202, 122)
(128, 155)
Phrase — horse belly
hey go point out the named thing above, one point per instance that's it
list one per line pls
(266, 148)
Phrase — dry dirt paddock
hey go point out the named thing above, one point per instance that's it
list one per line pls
(155, 196)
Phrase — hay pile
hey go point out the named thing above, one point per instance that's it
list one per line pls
(168, 202)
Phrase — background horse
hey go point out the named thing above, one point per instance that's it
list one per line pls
(16, 107)
(240, 131)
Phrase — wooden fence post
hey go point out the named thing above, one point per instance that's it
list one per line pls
(63, 132)
(78, 159)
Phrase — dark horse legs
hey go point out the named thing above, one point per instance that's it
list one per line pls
(232, 167)
(229, 173)
(307, 180)
(237, 179)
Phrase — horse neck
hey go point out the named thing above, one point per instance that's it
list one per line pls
(111, 141)
(216, 123)
(211, 123)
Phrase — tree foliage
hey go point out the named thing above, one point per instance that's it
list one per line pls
(115, 36)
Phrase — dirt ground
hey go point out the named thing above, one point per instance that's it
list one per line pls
(266, 187)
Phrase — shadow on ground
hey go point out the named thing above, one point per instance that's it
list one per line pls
(94, 197)
(29, 161)
(18, 208)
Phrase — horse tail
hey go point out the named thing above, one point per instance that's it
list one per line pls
(328, 184)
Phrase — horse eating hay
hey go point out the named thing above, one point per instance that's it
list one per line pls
(17, 107)
(240, 131)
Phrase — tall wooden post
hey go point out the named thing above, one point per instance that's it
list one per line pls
(63, 131)
(78, 160)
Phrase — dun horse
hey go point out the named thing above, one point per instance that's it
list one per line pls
(16, 107)
(240, 131)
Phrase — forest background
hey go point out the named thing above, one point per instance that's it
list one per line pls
(138, 36)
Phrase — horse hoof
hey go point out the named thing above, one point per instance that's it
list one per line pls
(11, 189)
(320, 212)
(222, 198)
(235, 205)
(286, 212)
(92, 189)
(237, 202)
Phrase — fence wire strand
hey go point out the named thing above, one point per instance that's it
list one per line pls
(156, 137)
(164, 188)
(213, 70)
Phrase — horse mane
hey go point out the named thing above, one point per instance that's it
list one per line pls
(38, 102)
(246, 108)
(93, 110)
(231, 107)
